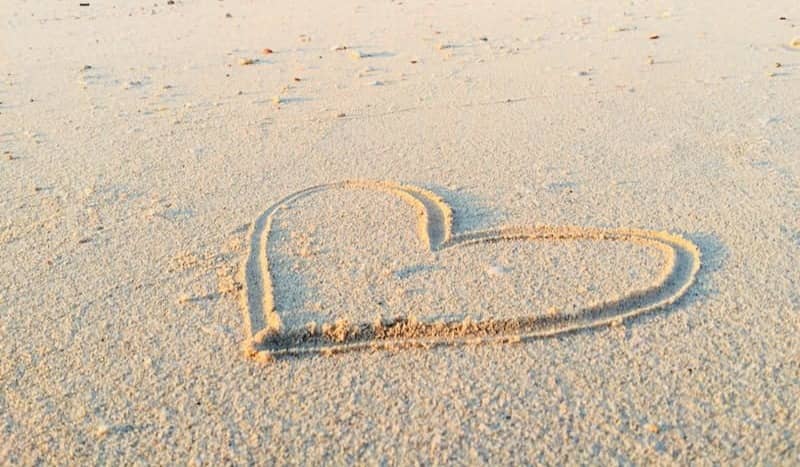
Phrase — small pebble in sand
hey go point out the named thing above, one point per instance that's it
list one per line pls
(652, 428)
(357, 55)
(338, 48)
(375, 83)
(341, 115)
(442, 46)
(483, 38)
(496, 270)
(184, 298)
(266, 51)
(170, 2)
(782, 18)
(650, 61)
(8, 155)
(795, 43)
(276, 100)
(653, 37)
(86, 67)
(296, 79)
(778, 64)
(365, 72)
(246, 61)
(263, 357)
(102, 430)
(414, 62)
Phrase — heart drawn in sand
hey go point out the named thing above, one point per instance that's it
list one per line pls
(268, 339)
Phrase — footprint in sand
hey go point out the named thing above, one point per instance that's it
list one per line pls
(273, 330)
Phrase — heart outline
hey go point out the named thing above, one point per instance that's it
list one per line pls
(263, 328)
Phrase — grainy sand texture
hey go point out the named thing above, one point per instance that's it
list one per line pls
(399, 232)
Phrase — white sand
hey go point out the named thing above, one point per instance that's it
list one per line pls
(137, 151)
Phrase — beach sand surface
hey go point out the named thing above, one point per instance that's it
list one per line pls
(141, 146)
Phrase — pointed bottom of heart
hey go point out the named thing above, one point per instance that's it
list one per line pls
(267, 339)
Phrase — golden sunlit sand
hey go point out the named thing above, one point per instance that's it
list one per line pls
(442, 233)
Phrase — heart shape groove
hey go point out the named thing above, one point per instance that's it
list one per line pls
(267, 339)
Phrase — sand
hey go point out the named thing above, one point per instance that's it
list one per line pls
(472, 309)
(642, 158)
